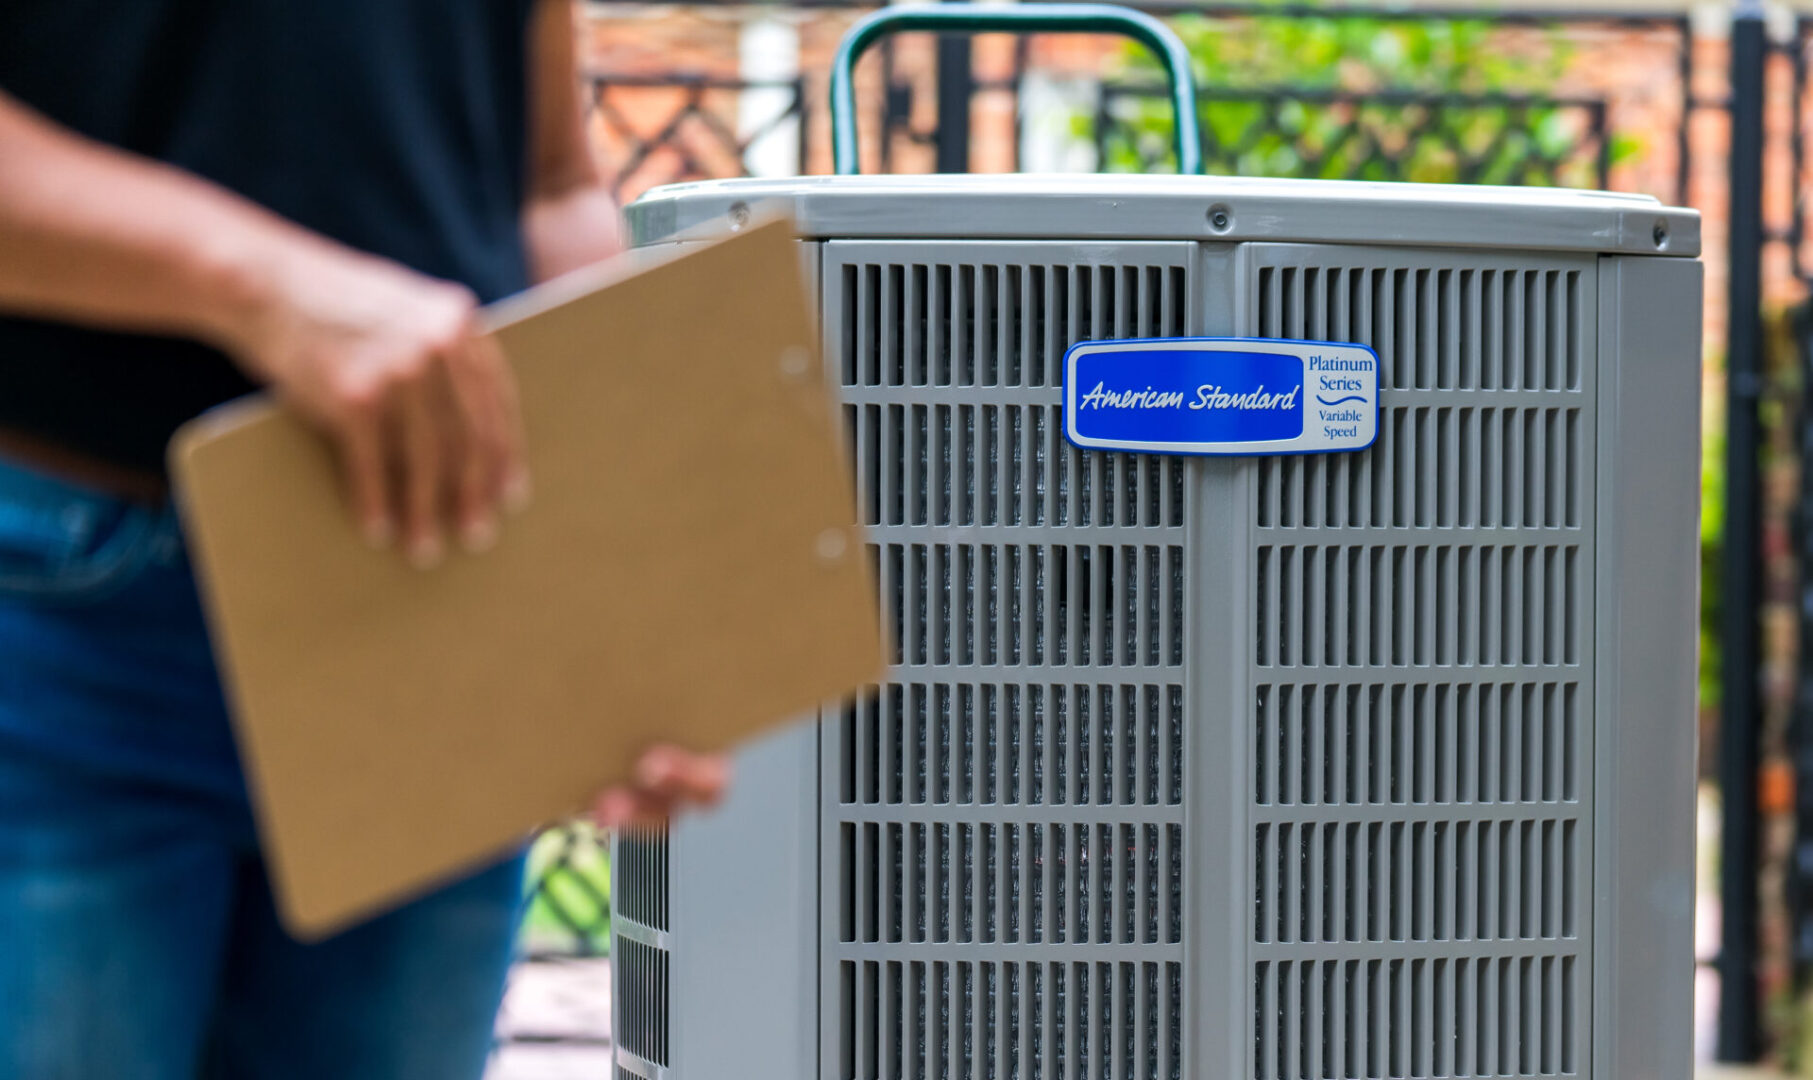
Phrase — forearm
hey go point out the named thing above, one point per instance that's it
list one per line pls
(571, 229)
(96, 235)
(570, 217)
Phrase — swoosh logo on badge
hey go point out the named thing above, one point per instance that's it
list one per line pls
(1340, 401)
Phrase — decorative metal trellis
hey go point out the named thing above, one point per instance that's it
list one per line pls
(695, 136)
(1374, 135)
(570, 907)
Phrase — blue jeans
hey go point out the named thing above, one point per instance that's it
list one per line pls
(137, 935)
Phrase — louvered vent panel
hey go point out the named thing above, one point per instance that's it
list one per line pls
(639, 926)
(643, 884)
(1003, 855)
(642, 1017)
(1421, 729)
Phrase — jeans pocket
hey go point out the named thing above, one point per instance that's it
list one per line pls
(60, 542)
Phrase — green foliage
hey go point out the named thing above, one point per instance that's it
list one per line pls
(1432, 55)
(1712, 533)
(1363, 98)
(569, 879)
(1793, 1019)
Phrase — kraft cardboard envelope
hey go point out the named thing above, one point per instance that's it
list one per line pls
(688, 573)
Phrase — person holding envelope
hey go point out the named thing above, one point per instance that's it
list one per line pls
(199, 198)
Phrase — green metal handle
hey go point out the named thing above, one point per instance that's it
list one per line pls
(1028, 18)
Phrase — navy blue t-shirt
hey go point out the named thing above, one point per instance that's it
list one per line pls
(395, 126)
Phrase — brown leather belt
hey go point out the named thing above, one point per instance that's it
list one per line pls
(136, 485)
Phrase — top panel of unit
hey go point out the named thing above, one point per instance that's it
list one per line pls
(1129, 207)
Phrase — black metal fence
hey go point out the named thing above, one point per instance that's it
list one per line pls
(1375, 133)
(1378, 135)
(1326, 129)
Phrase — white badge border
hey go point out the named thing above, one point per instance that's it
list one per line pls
(1302, 444)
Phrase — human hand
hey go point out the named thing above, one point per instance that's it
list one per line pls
(394, 368)
(667, 779)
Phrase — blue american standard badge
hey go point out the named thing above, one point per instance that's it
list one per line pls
(1221, 396)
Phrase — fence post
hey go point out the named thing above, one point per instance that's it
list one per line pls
(1740, 716)
(956, 89)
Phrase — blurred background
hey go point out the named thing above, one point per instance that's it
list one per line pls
(1704, 105)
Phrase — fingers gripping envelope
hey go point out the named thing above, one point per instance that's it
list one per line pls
(689, 573)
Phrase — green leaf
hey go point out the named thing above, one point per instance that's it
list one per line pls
(1447, 138)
